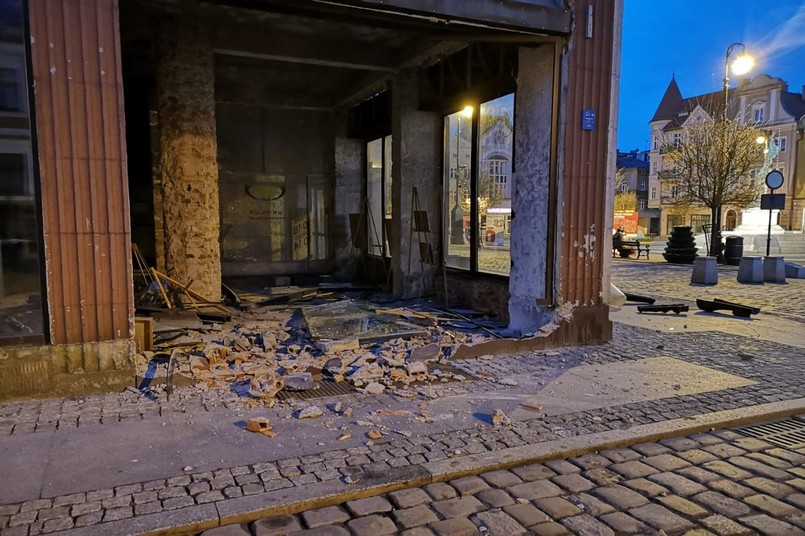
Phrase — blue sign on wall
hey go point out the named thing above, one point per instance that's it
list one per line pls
(587, 119)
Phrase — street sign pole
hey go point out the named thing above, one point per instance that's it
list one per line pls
(768, 232)
(774, 179)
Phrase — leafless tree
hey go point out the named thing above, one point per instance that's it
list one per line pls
(625, 200)
(713, 163)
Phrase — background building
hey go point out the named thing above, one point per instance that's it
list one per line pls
(633, 167)
(763, 100)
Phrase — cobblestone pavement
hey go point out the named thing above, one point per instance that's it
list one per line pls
(775, 368)
(671, 283)
(718, 483)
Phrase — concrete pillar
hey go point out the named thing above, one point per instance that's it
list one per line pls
(416, 162)
(532, 165)
(188, 154)
(349, 190)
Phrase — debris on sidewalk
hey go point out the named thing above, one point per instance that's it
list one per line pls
(266, 353)
(500, 419)
(260, 425)
(737, 309)
(663, 308)
(639, 298)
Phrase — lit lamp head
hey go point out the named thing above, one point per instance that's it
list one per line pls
(763, 140)
(467, 111)
(743, 64)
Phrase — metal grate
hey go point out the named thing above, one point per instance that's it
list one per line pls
(331, 388)
(444, 366)
(788, 433)
(326, 388)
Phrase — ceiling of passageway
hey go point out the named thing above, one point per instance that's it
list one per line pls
(302, 53)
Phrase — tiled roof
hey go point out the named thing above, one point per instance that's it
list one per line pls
(669, 105)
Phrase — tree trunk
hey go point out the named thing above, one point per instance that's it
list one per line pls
(716, 245)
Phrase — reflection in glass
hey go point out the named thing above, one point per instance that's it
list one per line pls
(387, 180)
(378, 191)
(374, 192)
(457, 166)
(20, 300)
(496, 122)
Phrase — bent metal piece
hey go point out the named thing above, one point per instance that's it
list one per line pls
(755, 310)
(736, 309)
(639, 298)
(663, 308)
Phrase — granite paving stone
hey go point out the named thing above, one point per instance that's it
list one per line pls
(723, 526)
(661, 518)
(535, 490)
(770, 505)
(731, 488)
(527, 514)
(587, 525)
(460, 507)
(620, 497)
(625, 524)
(721, 504)
(329, 515)
(459, 526)
(414, 516)
(502, 479)
(770, 526)
(499, 522)
(678, 484)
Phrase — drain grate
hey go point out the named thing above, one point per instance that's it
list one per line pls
(331, 388)
(444, 366)
(788, 433)
(326, 388)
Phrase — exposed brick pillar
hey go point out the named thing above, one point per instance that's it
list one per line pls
(188, 155)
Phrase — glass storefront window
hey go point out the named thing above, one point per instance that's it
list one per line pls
(486, 160)
(378, 191)
(457, 203)
(21, 317)
(494, 184)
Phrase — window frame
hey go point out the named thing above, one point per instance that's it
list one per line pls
(379, 219)
(475, 237)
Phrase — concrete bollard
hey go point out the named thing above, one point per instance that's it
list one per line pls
(705, 271)
(794, 270)
(750, 270)
(774, 270)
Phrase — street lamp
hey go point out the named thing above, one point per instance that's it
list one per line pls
(742, 65)
(457, 214)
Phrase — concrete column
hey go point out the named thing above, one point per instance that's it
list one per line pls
(349, 190)
(188, 155)
(416, 162)
(532, 165)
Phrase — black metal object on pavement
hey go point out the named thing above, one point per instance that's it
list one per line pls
(663, 308)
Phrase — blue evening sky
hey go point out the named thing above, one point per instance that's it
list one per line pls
(689, 38)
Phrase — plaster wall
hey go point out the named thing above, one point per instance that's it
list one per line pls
(416, 163)
(532, 164)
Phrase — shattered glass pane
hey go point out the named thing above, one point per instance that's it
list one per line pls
(345, 319)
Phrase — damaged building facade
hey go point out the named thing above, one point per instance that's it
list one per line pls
(462, 149)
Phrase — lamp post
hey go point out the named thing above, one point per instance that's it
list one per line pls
(741, 65)
(457, 214)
